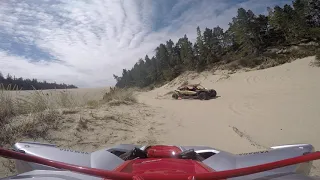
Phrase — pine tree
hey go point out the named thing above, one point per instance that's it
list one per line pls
(312, 13)
(186, 53)
(199, 50)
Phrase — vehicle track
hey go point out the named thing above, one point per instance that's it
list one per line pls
(247, 137)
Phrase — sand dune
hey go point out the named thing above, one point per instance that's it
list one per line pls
(255, 110)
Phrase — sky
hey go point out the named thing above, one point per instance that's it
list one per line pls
(85, 42)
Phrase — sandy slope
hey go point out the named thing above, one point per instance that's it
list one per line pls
(255, 110)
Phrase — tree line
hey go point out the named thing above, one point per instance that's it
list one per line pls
(247, 38)
(13, 83)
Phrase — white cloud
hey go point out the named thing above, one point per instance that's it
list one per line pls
(87, 41)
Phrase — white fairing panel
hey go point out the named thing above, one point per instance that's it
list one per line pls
(101, 159)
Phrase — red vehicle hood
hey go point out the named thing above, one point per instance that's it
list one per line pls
(161, 160)
(163, 166)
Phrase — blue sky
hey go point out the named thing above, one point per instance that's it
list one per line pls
(84, 42)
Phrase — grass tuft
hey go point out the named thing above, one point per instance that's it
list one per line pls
(317, 62)
(7, 106)
(93, 104)
(116, 97)
(34, 126)
(32, 114)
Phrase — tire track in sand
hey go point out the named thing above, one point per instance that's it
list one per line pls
(247, 137)
(242, 108)
(254, 79)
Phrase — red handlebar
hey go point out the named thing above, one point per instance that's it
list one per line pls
(126, 176)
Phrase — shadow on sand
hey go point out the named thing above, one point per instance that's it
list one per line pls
(193, 98)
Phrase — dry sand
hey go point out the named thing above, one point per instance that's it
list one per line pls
(254, 110)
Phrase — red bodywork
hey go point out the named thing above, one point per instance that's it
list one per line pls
(163, 166)
(162, 160)
(162, 151)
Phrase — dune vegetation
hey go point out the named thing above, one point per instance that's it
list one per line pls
(117, 96)
(70, 118)
(38, 109)
(318, 58)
